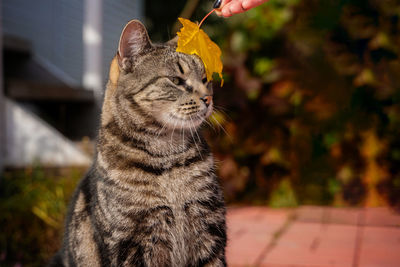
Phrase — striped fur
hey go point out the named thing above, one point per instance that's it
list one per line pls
(151, 197)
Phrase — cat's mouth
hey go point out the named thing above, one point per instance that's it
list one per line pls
(189, 121)
(183, 119)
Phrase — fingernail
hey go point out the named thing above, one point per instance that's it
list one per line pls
(245, 4)
(217, 3)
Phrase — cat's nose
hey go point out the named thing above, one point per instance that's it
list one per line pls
(206, 99)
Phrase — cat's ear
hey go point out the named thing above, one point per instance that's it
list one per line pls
(134, 40)
(173, 42)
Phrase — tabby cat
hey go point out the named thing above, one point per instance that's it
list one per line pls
(151, 197)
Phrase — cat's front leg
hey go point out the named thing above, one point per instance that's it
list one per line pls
(216, 254)
(209, 228)
(217, 260)
(153, 241)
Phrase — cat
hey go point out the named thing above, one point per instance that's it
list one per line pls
(151, 197)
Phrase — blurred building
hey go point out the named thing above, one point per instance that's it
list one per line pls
(54, 68)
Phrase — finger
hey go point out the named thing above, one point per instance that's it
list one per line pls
(236, 7)
(218, 11)
(247, 4)
(226, 12)
(231, 8)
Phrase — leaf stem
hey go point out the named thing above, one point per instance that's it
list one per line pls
(201, 22)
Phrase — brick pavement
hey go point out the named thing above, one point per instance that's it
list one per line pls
(313, 237)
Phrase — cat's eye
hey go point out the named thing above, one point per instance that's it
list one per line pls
(204, 80)
(180, 68)
(177, 80)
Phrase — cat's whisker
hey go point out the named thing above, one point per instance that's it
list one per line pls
(181, 125)
(213, 125)
(210, 124)
(222, 127)
(160, 131)
(194, 140)
(195, 130)
(170, 120)
(183, 137)
(173, 130)
(222, 110)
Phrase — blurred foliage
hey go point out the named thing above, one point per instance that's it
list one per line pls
(310, 103)
(310, 108)
(160, 16)
(33, 204)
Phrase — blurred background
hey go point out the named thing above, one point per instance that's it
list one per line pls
(309, 113)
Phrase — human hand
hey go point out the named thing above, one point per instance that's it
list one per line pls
(227, 8)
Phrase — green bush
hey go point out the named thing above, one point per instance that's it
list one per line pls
(33, 204)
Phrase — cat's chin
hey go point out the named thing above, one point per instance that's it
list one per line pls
(175, 122)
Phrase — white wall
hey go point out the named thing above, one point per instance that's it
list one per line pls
(32, 140)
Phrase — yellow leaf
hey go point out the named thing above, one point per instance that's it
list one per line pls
(193, 40)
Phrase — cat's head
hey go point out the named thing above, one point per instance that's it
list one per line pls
(157, 83)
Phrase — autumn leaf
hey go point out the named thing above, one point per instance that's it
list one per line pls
(193, 40)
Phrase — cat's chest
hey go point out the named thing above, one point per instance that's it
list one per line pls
(182, 185)
(182, 177)
(180, 190)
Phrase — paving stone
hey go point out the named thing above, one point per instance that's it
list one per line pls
(310, 214)
(381, 217)
(380, 247)
(320, 237)
(343, 215)
(280, 265)
(250, 231)
(311, 244)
